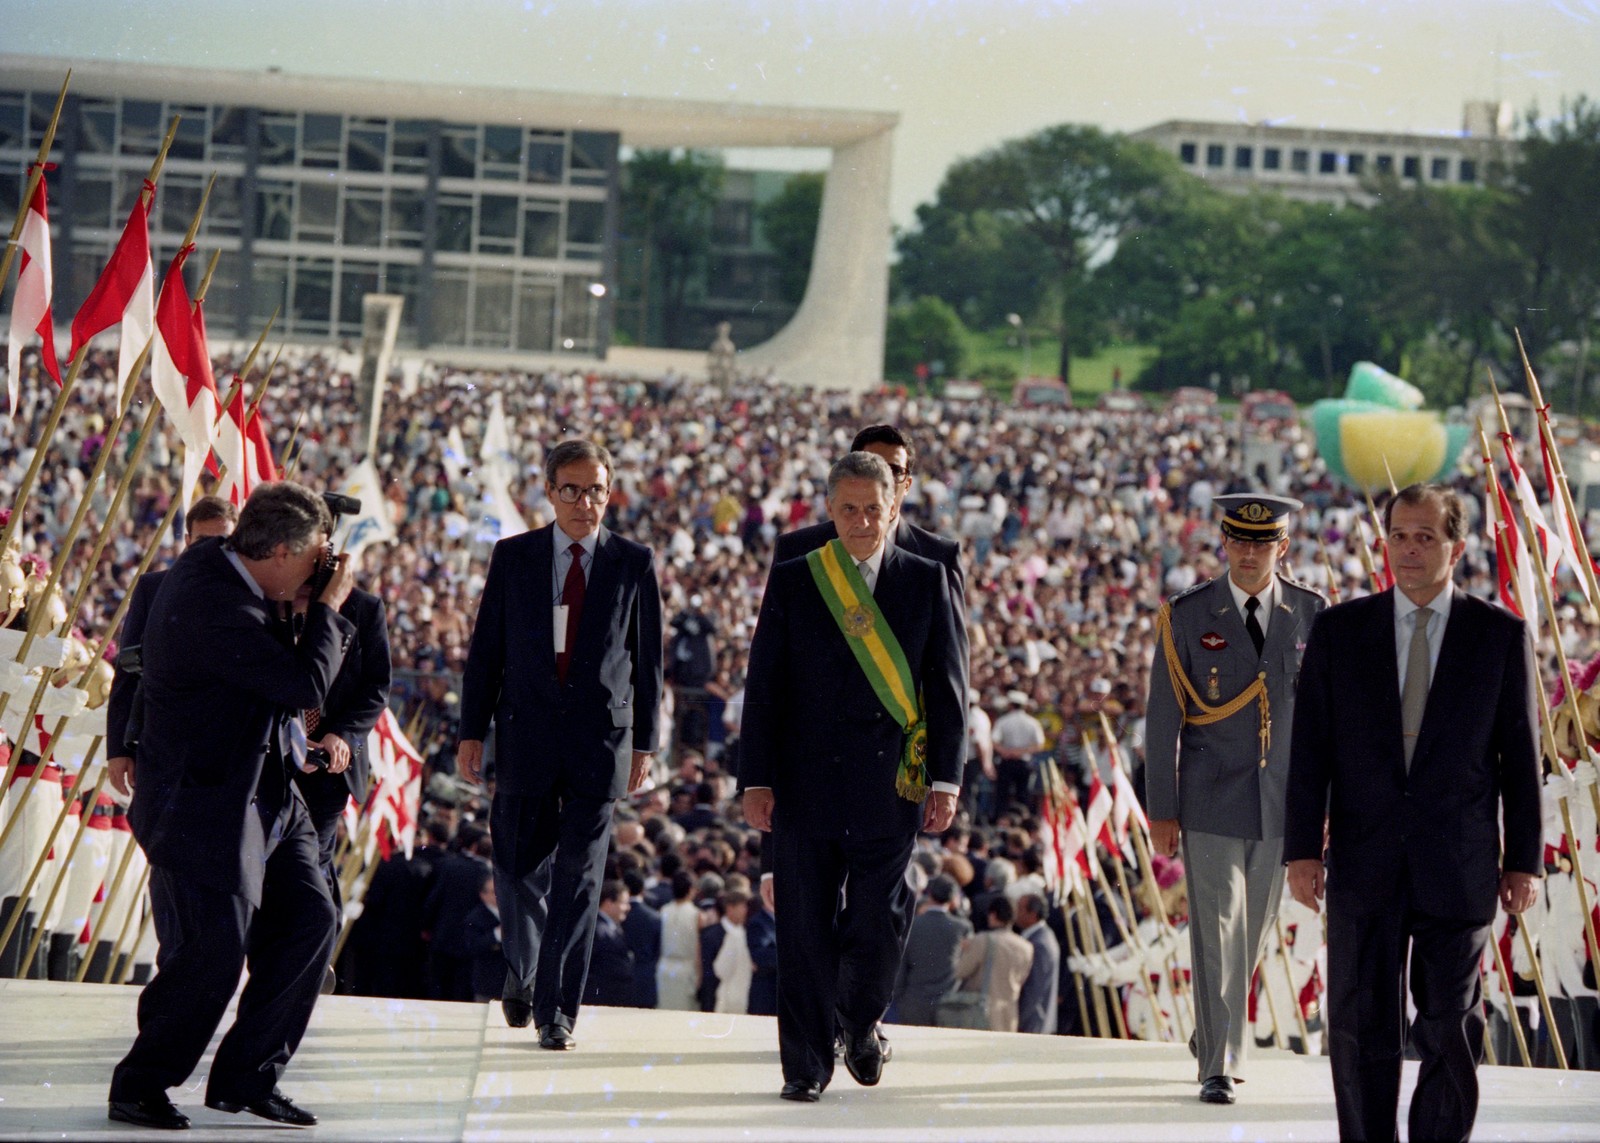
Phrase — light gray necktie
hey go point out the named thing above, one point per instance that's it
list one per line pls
(1414, 695)
(866, 573)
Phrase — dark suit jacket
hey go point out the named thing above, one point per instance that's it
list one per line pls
(816, 732)
(121, 725)
(642, 927)
(1036, 1003)
(578, 736)
(357, 698)
(711, 938)
(928, 965)
(907, 536)
(1435, 831)
(219, 688)
(761, 935)
(610, 966)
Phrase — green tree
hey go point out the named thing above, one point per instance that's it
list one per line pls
(925, 332)
(1075, 191)
(789, 223)
(668, 199)
(1450, 280)
(983, 264)
(1553, 192)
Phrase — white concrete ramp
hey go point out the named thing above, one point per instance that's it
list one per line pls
(408, 1070)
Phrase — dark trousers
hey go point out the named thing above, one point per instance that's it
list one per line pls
(1367, 955)
(326, 796)
(206, 938)
(1013, 784)
(549, 857)
(845, 909)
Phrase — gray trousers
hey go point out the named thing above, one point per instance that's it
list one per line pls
(1235, 885)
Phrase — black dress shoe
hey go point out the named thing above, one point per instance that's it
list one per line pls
(152, 1111)
(1217, 1089)
(516, 1001)
(277, 1107)
(556, 1038)
(801, 1091)
(865, 1056)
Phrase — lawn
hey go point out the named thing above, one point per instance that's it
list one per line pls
(1091, 376)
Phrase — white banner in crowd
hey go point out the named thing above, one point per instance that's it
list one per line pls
(373, 525)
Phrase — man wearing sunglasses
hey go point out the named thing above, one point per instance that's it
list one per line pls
(566, 661)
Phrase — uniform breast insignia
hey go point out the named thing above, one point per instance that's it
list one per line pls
(1213, 686)
(858, 621)
(1211, 641)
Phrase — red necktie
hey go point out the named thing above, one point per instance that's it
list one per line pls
(572, 599)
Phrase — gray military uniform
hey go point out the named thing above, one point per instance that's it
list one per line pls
(1229, 804)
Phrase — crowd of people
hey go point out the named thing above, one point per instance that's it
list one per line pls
(1075, 525)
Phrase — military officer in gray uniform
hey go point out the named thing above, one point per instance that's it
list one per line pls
(1217, 763)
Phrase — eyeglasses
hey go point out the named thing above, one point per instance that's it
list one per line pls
(594, 494)
(901, 475)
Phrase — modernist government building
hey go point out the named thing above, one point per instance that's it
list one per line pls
(494, 213)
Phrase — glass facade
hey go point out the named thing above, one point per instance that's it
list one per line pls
(492, 233)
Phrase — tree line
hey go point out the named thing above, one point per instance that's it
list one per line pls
(1096, 238)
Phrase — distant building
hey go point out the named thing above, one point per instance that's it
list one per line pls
(1319, 164)
(739, 283)
(494, 212)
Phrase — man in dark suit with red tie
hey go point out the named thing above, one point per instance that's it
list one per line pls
(853, 738)
(232, 851)
(566, 661)
(1415, 755)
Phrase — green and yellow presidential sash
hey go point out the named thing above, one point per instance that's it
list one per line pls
(881, 658)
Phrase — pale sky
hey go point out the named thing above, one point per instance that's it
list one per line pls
(964, 75)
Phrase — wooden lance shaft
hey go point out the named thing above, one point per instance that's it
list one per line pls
(1294, 989)
(133, 910)
(1511, 1005)
(1547, 730)
(98, 650)
(105, 905)
(1147, 870)
(35, 174)
(1562, 489)
(1128, 928)
(44, 854)
(60, 880)
(107, 447)
(25, 489)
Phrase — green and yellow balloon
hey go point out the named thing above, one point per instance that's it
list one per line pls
(1379, 429)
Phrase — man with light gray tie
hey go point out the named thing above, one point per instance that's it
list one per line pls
(1415, 742)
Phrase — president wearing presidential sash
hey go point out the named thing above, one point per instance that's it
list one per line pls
(853, 738)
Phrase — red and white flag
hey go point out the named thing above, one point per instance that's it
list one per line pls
(258, 451)
(124, 293)
(1513, 565)
(180, 372)
(1099, 813)
(231, 452)
(1573, 547)
(30, 305)
(396, 799)
(1528, 500)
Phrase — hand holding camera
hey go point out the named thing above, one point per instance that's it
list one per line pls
(333, 580)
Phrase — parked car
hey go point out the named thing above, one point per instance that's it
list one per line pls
(1121, 401)
(1041, 392)
(1192, 404)
(1267, 409)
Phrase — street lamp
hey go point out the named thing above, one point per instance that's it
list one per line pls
(1015, 322)
(597, 290)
